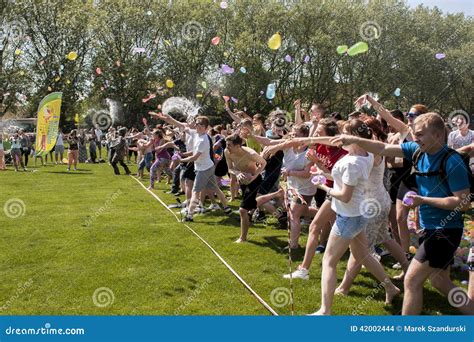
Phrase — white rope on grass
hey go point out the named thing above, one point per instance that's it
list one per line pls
(247, 286)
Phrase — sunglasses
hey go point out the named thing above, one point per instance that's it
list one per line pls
(412, 115)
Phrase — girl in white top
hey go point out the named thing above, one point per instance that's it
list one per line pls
(350, 174)
(376, 207)
(296, 168)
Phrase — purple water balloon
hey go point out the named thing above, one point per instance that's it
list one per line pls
(226, 69)
(440, 55)
(288, 58)
(318, 179)
(306, 59)
(234, 100)
(408, 200)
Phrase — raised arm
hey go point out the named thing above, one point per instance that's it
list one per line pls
(372, 146)
(234, 116)
(168, 119)
(398, 125)
(298, 119)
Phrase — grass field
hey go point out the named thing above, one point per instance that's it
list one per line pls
(79, 232)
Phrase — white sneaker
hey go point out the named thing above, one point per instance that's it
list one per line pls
(397, 266)
(214, 207)
(184, 211)
(300, 273)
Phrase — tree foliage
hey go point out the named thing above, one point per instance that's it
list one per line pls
(176, 37)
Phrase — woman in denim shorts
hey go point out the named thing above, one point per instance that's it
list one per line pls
(350, 175)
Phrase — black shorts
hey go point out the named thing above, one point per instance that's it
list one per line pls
(320, 197)
(438, 246)
(271, 177)
(249, 194)
(221, 168)
(188, 171)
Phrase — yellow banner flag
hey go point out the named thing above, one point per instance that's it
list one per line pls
(47, 127)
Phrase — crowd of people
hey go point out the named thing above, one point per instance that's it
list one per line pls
(356, 181)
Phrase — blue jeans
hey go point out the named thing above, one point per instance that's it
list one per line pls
(146, 161)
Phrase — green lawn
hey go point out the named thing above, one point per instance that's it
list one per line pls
(82, 231)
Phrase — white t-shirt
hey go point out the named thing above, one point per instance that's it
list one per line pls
(201, 144)
(191, 135)
(456, 140)
(298, 161)
(59, 141)
(353, 171)
(98, 134)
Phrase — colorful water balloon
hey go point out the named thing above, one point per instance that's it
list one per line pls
(226, 69)
(204, 84)
(224, 4)
(138, 50)
(18, 52)
(274, 42)
(271, 89)
(342, 49)
(397, 92)
(98, 71)
(215, 40)
(234, 100)
(358, 48)
(72, 55)
(243, 70)
(169, 83)
(408, 200)
(288, 59)
(440, 56)
(306, 59)
(199, 96)
(318, 179)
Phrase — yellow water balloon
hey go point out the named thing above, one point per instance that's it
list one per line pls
(169, 83)
(18, 52)
(72, 55)
(274, 42)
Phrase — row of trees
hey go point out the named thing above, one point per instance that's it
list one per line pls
(139, 44)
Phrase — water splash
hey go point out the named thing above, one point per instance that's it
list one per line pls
(180, 105)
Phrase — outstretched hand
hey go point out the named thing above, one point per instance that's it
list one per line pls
(342, 140)
(158, 115)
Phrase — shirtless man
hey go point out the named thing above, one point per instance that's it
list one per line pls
(247, 165)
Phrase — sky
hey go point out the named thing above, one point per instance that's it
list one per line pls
(450, 6)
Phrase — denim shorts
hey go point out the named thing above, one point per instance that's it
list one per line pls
(349, 227)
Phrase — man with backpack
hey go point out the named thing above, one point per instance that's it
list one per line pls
(443, 196)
